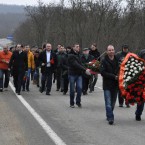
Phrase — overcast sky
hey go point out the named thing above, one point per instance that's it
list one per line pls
(26, 2)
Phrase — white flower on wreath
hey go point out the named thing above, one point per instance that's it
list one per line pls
(126, 68)
(140, 68)
(135, 72)
(129, 77)
(132, 59)
(133, 63)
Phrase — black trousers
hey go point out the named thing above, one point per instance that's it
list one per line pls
(46, 80)
(66, 82)
(18, 80)
(58, 78)
(85, 84)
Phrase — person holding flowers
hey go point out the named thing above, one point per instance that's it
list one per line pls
(109, 70)
(120, 56)
(86, 58)
(48, 62)
(94, 52)
(140, 107)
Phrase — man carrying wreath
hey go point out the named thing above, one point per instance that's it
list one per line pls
(140, 107)
(109, 70)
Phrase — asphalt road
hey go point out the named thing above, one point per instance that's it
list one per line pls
(74, 126)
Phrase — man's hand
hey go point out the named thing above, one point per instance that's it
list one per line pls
(88, 72)
(116, 77)
(43, 64)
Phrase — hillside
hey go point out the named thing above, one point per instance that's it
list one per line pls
(10, 17)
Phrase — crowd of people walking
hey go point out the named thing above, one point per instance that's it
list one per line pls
(66, 67)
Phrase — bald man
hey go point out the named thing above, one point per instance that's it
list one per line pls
(109, 71)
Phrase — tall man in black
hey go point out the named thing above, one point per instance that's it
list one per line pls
(19, 66)
(109, 71)
(47, 60)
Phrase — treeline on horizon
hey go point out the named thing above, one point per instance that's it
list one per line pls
(103, 22)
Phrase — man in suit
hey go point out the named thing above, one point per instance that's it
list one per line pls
(19, 65)
(47, 60)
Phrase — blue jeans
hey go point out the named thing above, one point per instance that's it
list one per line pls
(27, 81)
(75, 79)
(110, 100)
(139, 109)
(7, 75)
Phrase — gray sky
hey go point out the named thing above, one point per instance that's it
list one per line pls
(26, 2)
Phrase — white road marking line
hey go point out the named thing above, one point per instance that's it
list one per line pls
(55, 138)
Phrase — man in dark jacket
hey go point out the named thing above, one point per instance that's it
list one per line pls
(75, 71)
(94, 52)
(47, 60)
(140, 107)
(60, 54)
(86, 58)
(109, 72)
(64, 65)
(120, 56)
(19, 66)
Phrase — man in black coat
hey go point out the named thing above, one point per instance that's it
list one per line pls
(86, 58)
(75, 71)
(64, 66)
(19, 66)
(94, 52)
(60, 54)
(109, 71)
(47, 60)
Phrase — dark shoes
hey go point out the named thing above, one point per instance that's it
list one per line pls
(120, 105)
(128, 106)
(111, 122)
(47, 93)
(85, 93)
(79, 105)
(1, 89)
(138, 118)
(41, 90)
(64, 93)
